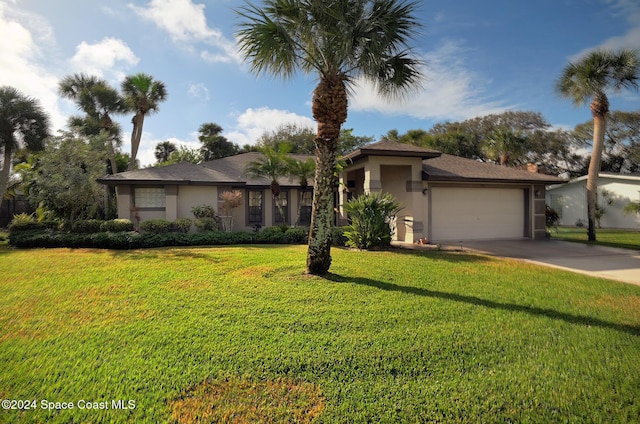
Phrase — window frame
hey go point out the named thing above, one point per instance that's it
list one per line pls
(287, 214)
(249, 220)
(136, 198)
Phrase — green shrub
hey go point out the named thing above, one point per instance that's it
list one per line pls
(117, 225)
(204, 211)
(156, 226)
(87, 226)
(272, 235)
(206, 224)
(337, 236)
(370, 216)
(180, 225)
(296, 235)
(551, 216)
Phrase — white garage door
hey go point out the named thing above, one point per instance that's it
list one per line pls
(477, 213)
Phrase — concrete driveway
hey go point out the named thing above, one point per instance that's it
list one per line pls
(598, 261)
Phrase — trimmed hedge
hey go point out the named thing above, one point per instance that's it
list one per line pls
(133, 240)
(86, 226)
(156, 226)
(117, 226)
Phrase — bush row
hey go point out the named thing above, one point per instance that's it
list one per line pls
(133, 240)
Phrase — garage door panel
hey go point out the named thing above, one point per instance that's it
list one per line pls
(477, 213)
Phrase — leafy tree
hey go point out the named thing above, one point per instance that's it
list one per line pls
(349, 142)
(621, 147)
(588, 81)
(142, 95)
(214, 145)
(164, 150)
(302, 171)
(23, 124)
(183, 154)
(300, 139)
(64, 179)
(339, 42)
(505, 147)
(99, 101)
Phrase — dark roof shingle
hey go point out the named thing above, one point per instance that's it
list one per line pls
(454, 168)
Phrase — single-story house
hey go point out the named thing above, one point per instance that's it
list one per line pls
(615, 191)
(444, 197)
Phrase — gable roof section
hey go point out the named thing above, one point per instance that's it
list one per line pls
(179, 173)
(392, 148)
(229, 170)
(454, 168)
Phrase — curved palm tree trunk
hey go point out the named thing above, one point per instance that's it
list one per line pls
(330, 111)
(136, 136)
(599, 127)
(6, 166)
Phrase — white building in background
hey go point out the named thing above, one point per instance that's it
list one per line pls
(570, 200)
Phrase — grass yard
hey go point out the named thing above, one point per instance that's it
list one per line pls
(606, 237)
(238, 334)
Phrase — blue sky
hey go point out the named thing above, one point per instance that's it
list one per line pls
(481, 57)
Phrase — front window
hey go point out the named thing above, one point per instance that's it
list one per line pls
(281, 208)
(147, 197)
(255, 207)
(305, 208)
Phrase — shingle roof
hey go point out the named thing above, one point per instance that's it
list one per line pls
(392, 148)
(454, 168)
(229, 170)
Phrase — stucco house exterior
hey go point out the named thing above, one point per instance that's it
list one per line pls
(569, 200)
(444, 197)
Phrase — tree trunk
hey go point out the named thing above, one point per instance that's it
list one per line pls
(6, 167)
(329, 107)
(599, 126)
(319, 250)
(136, 135)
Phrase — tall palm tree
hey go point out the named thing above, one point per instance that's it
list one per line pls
(588, 81)
(142, 95)
(303, 171)
(164, 150)
(23, 124)
(99, 101)
(272, 164)
(340, 42)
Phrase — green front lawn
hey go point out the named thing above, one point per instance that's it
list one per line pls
(239, 333)
(615, 238)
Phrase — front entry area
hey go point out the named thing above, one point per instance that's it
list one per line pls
(464, 213)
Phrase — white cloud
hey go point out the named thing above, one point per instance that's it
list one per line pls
(629, 10)
(253, 123)
(109, 55)
(451, 91)
(22, 37)
(199, 91)
(186, 23)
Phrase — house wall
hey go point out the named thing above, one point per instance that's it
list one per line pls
(570, 201)
(399, 176)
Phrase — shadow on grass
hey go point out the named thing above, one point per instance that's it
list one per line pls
(472, 300)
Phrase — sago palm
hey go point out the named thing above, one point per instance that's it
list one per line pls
(142, 95)
(588, 81)
(23, 124)
(340, 42)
